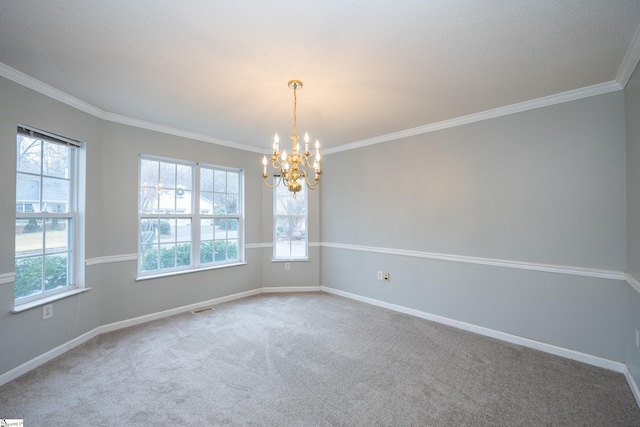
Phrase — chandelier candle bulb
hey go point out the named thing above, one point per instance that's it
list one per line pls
(306, 142)
(264, 165)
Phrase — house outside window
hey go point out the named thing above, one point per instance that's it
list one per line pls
(190, 216)
(290, 238)
(46, 229)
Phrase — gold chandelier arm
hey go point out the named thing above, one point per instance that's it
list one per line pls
(267, 183)
(312, 186)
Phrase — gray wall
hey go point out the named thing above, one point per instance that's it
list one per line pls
(632, 104)
(111, 227)
(542, 186)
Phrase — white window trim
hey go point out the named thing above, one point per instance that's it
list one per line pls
(77, 174)
(275, 258)
(195, 217)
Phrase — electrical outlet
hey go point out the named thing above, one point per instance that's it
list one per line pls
(47, 311)
(287, 266)
(386, 277)
(379, 275)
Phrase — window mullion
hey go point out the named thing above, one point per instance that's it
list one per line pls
(195, 225)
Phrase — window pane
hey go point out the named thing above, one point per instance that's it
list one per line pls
(148, 237)
(206, 229)
(149, 200)
(233, 182)
(148, 258)
(27, 193)
(29, 237)
(220, 181)
(55, 158)
(232, 250)
(185, 177)
(206, 252)
(149, 173)
(55, 195)
(232, 204)
(206, 202)
(57, 234)
(184, 201)
(221, 228)
(28, 155)
(184, 255)
(220, 204)
(167, 201)
(166, 230)
(206, 179)
(232, 228)
(167, 256)
(183, 230)
(220, 249)
(28, 277)
(55, 275)
(167, 175)
(287, 205)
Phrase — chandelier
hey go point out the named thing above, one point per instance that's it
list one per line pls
(296, 166)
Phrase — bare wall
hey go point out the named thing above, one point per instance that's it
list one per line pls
(543, 186)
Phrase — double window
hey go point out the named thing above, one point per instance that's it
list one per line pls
(46, 214)
(190, 216)
(290, 224)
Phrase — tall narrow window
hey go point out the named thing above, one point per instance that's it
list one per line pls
(290, 224)
(189, 216)
(46, 213)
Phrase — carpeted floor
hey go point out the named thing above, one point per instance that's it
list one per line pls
(312, 360)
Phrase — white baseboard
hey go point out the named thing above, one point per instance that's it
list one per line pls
(525, 342)
(269, 290)
(183, 309)
(61, 349)
(632, 384)
(503, 336)
(49, 355)
(44, 358)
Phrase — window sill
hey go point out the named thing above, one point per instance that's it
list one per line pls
(291, 260)
(192, 270)
(42, 301)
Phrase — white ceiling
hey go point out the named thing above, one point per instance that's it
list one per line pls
(370, 68)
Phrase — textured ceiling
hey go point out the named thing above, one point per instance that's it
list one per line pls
(369, 67)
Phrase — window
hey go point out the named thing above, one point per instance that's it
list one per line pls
(290, 223)
(46, 214)
(190, 216)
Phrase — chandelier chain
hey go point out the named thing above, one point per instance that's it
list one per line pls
(295, 103)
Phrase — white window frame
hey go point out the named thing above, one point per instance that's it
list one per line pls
(195, 217)
(74, 251)
(305, 194)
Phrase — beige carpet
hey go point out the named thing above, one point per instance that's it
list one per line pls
(312, 360)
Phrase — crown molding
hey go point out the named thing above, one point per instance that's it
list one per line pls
(43, 88)
(633, 53)
(630, 60)
(533, 104)
(143, 124)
